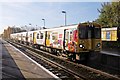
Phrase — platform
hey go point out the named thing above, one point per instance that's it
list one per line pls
(16, 64)
(105, 60)
(113, 52)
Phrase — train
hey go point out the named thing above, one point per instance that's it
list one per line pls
(111, 37)
(74, 41)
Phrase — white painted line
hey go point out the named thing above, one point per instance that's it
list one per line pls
(108, 53)
(37, 63)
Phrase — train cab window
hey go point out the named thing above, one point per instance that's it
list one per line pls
(89, 33)
(41, 36)
(38, 36)
(97, 33)
(82, 32)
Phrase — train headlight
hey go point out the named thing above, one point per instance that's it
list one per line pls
(81, 46)
(98, 44)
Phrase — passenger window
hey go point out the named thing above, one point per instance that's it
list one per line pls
(41, 36)
(38, 36)
(30, 35)
(53, 37)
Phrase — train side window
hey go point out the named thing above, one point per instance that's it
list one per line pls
(71, 35)
(41, 36)
(53, 37)
(30, 35)
(38, 36)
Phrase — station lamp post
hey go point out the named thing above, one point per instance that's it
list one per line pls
(65, 16)
(44, 22)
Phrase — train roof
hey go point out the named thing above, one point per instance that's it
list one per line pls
(62, 27)
(113, 28)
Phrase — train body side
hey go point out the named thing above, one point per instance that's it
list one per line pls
(111, 37)
(73, 40)
(109, 34)
(67, 38)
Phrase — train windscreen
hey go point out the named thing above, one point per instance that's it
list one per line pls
(97, 33)
(89, 33)
(83, 32)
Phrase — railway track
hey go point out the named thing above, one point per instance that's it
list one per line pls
(63, 68)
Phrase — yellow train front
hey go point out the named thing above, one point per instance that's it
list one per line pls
(90, 36)
(89, 39)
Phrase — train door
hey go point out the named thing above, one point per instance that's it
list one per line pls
(66, 38)
(45, 37)
(26, 38)
(34, 37)
(48, 38)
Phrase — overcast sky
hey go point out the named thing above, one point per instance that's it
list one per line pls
(22, 13)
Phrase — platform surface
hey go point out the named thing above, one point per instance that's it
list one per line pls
(17, 65)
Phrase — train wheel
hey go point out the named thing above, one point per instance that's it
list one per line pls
(74, 57)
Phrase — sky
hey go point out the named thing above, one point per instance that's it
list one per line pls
(22, 13)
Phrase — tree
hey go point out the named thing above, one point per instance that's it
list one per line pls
(109, 14)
